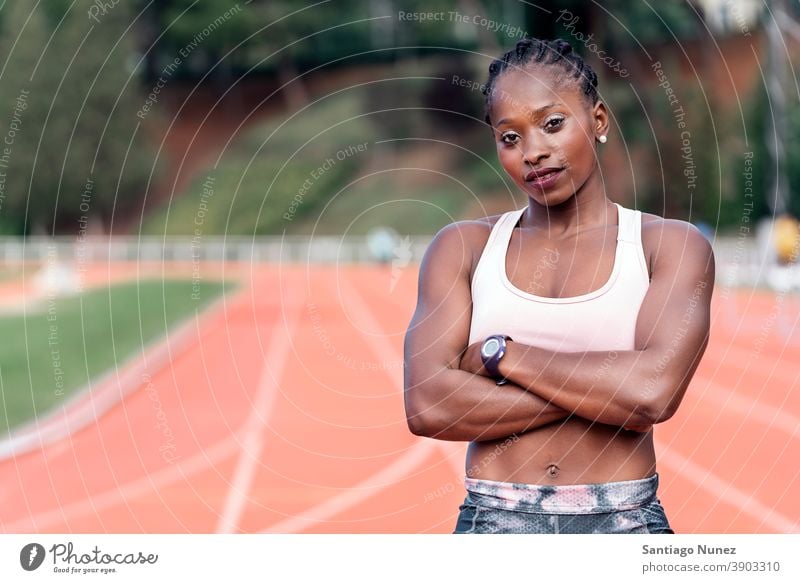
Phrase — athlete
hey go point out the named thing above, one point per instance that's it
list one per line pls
(555, 336)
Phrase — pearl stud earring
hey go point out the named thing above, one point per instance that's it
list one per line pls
(602, 139)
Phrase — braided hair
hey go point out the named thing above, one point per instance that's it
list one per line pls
(557, 53)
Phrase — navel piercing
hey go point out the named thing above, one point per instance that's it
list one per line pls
(602, 139)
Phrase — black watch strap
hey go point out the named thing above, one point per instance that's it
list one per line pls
(491, 363)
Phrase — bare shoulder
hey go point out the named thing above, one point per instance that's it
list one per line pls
(483, 224)
(662, 238)
(466, 238)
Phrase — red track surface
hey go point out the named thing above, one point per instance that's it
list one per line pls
(286, 415)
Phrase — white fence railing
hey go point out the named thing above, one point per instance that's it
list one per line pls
(739, 261)
(327, 249)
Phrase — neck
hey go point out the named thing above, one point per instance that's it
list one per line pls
(586, 209)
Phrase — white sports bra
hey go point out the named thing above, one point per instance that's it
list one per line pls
(604, 319)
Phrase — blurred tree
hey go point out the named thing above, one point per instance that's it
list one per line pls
(261, 34)
(20, 105)
(208, 31)
(78, 154)
(791, 151)
(285, 37)
(274, 28)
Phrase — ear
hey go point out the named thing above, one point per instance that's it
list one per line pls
(600, 119)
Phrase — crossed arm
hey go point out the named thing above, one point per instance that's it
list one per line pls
(448, 396)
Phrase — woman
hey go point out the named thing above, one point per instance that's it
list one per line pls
(553, 337)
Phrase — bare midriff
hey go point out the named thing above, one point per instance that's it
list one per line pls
(574, 451)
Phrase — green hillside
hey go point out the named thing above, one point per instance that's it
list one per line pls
(378, 152)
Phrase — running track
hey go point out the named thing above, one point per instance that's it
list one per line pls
(285, 414)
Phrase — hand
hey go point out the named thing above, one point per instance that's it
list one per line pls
(471, 360)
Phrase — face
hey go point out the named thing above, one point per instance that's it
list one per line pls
(545, 134)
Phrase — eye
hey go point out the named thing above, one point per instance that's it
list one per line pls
(553, 123)
(510, 138)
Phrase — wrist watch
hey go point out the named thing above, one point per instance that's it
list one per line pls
(492, 350)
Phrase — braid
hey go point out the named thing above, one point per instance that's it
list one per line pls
(556, 52)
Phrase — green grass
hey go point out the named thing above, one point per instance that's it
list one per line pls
(261, 173)
(264, 169)
(84, 336)
(10, 272)
(378, 201)
(410, 201)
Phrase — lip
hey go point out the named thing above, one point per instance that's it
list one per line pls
(543, 177)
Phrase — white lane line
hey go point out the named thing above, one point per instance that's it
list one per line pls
(726, 492)
(362, 319)
(268, 386)
(683, 466)
(399, 469)
(356, 494)
(85, 406)
(385, 352)
(767, 367)
(201, 461)
(749, 408)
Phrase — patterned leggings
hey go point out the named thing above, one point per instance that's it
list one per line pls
(614, 507)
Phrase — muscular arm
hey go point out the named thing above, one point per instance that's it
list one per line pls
(441, 400)
(642, 386)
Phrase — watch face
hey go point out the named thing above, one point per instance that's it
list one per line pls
(490, 347)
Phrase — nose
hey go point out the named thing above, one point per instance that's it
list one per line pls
(534, 150)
